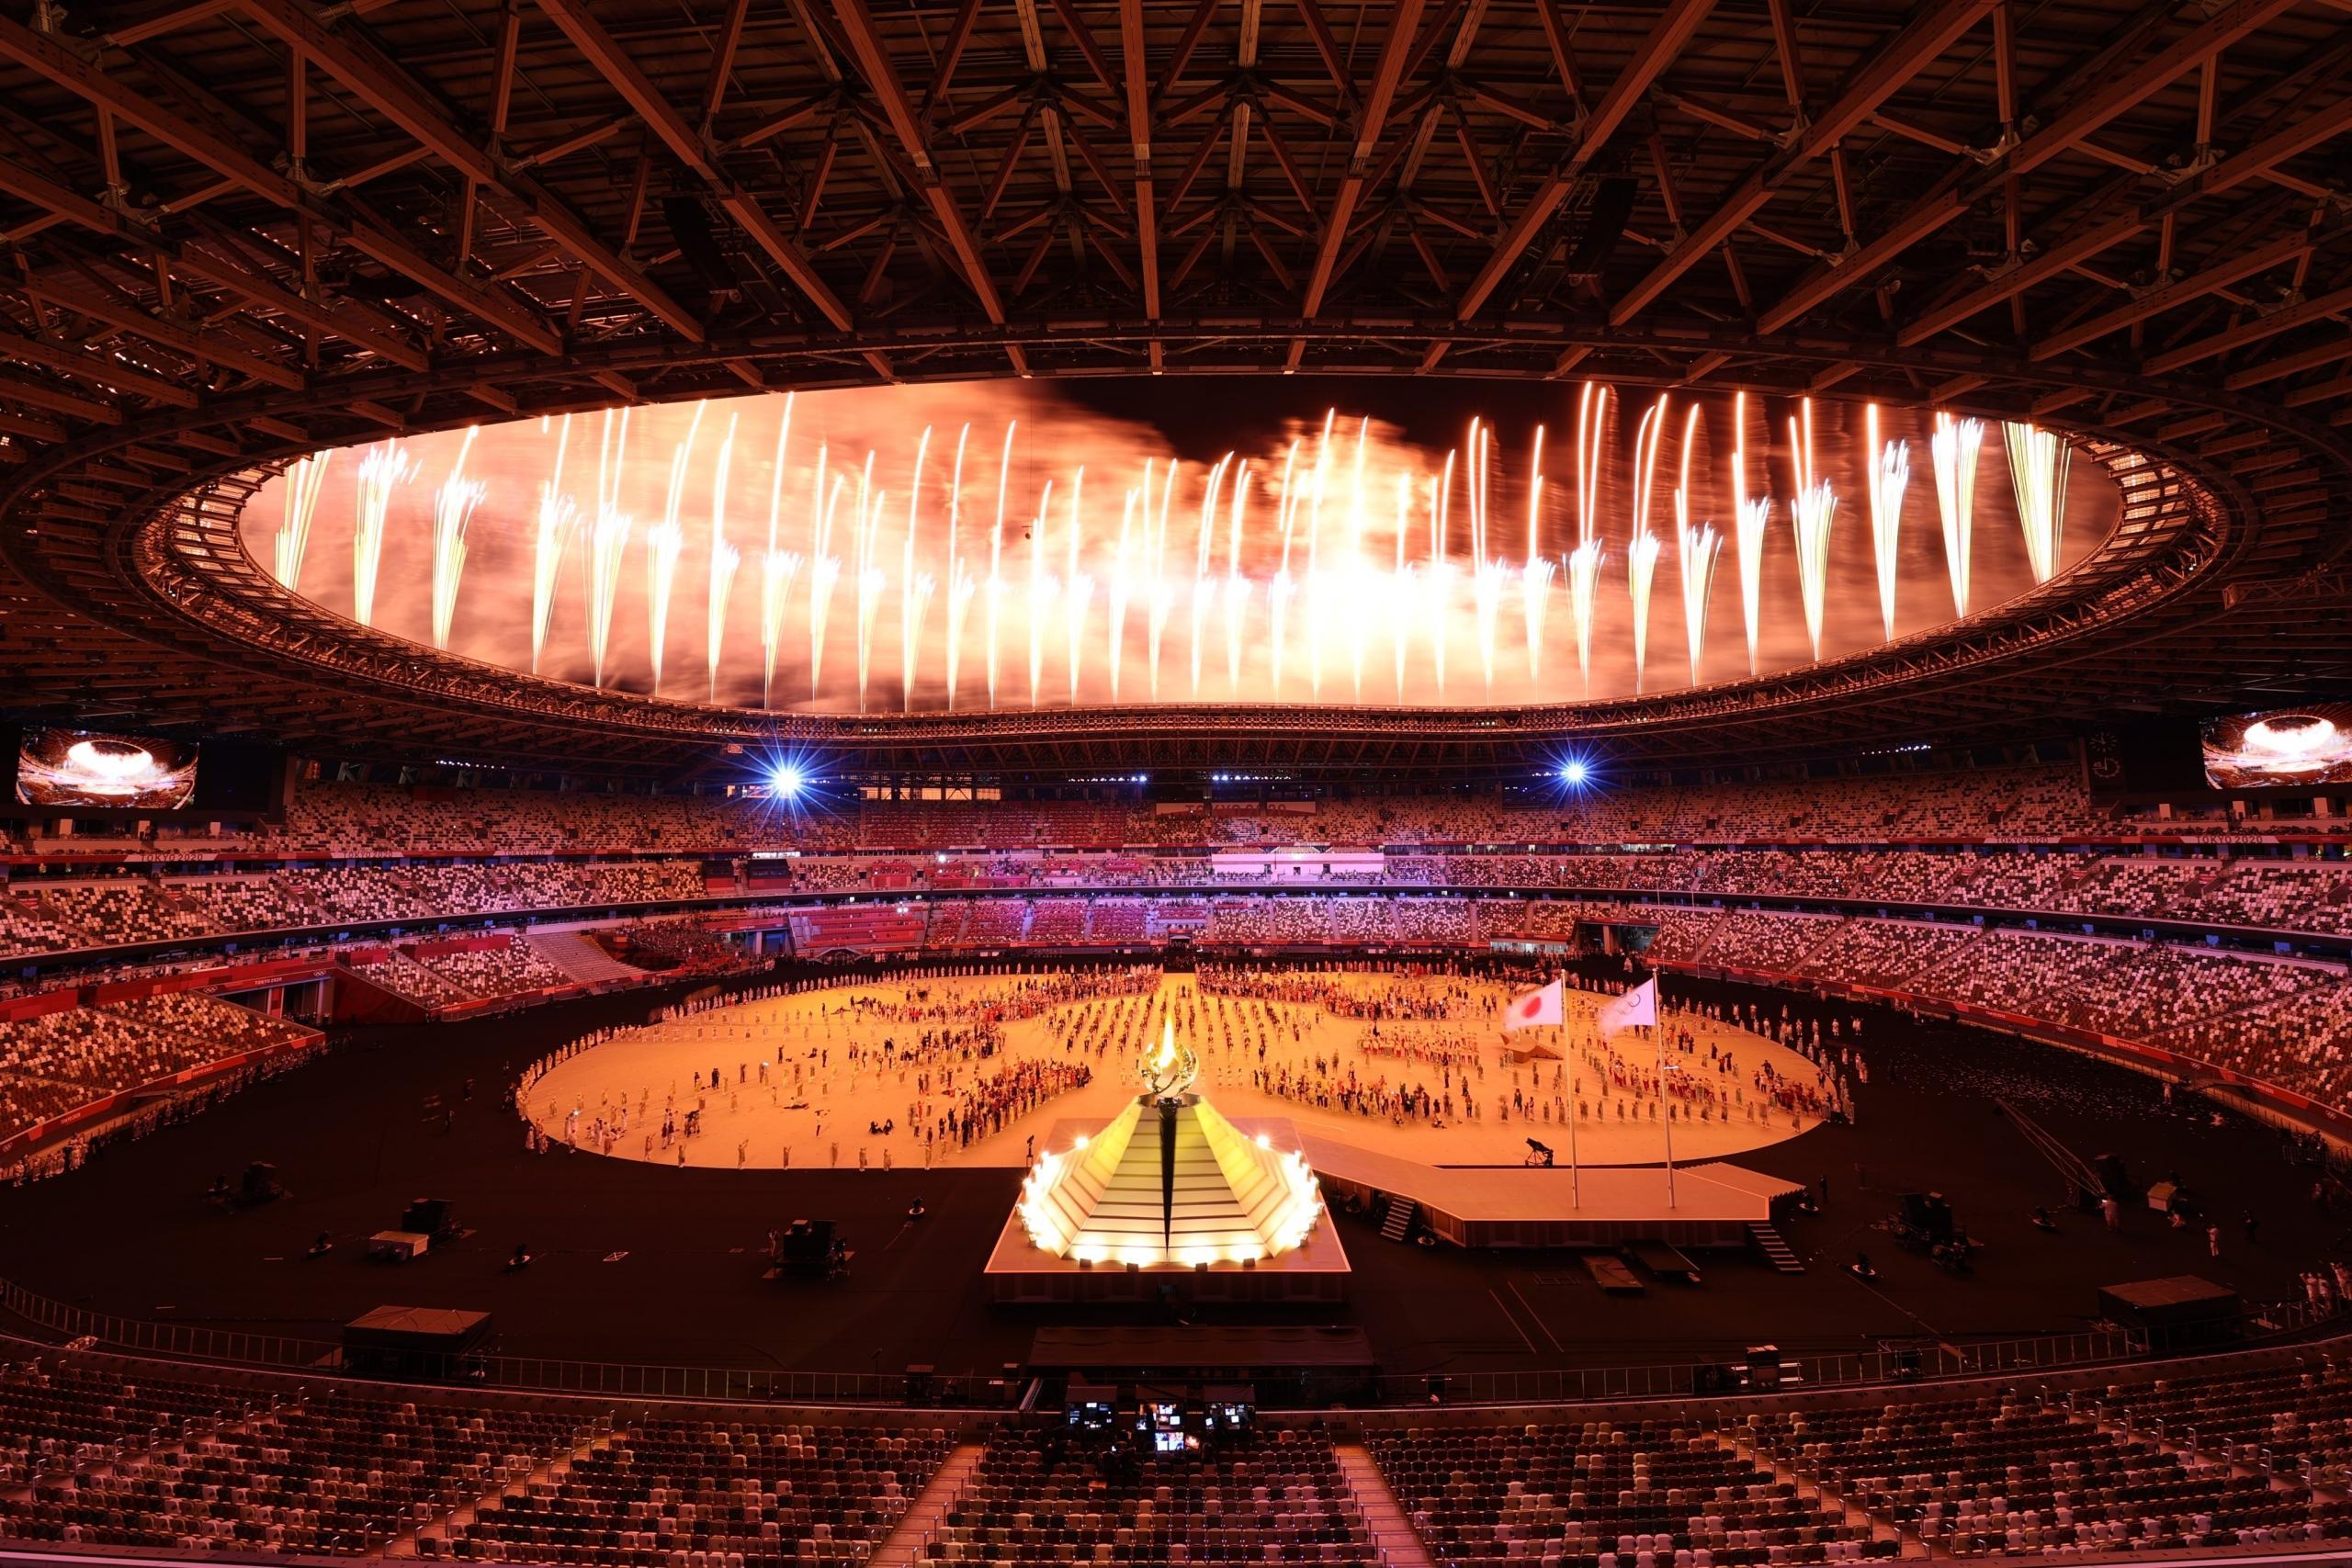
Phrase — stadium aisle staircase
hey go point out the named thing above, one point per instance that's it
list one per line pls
(1383, 1517)
(903, 1546)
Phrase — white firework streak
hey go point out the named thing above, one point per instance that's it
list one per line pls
(1584, 590)
(384, 466)
(453, 510)
(1114, 626)
(1159, 588)
(1236, 587)
(1401, 585)
(1204, 547)
(1695, 549)
(1043, 588)
(559, 519)
(607, 559)
(1641, 566)
(303, 481)
(915, 588)
(1078, 591)
(1535, 577)
(664, 543)
(778, 568)
(1642, 550)
(1700, 547)
(724, 559)
(824, 567)
(868, 578)
(961, 584)
(1439, 587)
(1890, 474)
(1953, 450)
(1358, 579)
(995, 560)
(2039, 459)
(1318, 591)
(1816, 509)
(1755, 517)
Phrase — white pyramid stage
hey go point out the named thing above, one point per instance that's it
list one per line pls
(1170, 1195)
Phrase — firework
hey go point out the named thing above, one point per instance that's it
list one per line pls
(2038, 462)
(724, 559)
(1700, 549)
(452, 509)
(1584, 590)
(1042, 589)
(1816, 509)
(824, 566)
(1078, 591)
(1279, 592)
(608, 556)
(303, 480)
(915, 588)
(1696, 549)
(867, 575)
(1438, 588)
(1953, 449)
(1122, 585)
(996, 561)
(1642, 551)
(664, 543)
(1401, 586)
(777, 567)
(961, 584)
(1203, 549)
(1159, 587)
(1535, 575)
(1889, 473)
(1236, 587)
(1750, 517)
(558, 517)
(384, 466)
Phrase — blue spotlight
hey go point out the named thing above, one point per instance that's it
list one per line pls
(1575, 773)
(788, 780)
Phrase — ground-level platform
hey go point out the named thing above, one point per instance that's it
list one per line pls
(1513, 1206)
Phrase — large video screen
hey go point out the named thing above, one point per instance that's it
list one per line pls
(90, 768)
(2287, 749)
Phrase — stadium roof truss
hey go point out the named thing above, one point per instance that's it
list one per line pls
(243, 230)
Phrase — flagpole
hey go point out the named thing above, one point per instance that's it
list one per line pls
(1666, 1106)
(1576, 1176)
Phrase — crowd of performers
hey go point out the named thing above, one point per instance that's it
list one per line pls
(939, 1036)
(1423, 1051)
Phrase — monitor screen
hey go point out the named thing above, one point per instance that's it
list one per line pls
(106, 772)
(2303, 748)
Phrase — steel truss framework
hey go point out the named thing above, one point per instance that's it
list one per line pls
(245, 229)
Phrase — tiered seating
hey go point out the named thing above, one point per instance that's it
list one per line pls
(515, 969)
(743, 1491)
(1999, 1473)
(341, 1471)
(1594, 1492)
(1269, 1499)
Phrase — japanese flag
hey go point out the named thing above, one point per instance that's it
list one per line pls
(1535, 1010)
(1636, 1007)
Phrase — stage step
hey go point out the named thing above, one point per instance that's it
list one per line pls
(1776, 1251)
(1399, 1222)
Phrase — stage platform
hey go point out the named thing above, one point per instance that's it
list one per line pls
(1514, 1206)
(1021, 1274)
